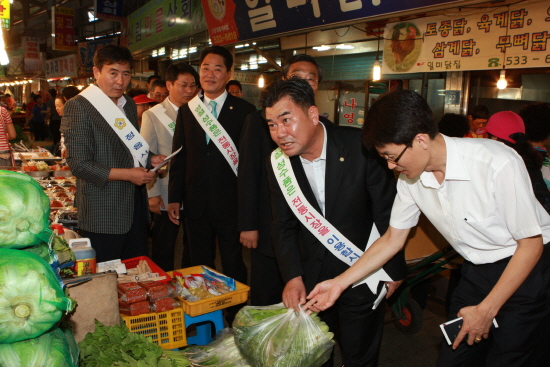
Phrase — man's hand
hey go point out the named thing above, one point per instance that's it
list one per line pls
(174, 213)
(294, 293)
(139, 176)
(250, 238)
(155, 203)
(324, 295)
(392, 286)
(157, 159)
(475, 326)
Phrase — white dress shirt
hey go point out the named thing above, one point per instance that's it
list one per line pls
(219, 100)
(484, 205)
(315, 173)
(176, 108)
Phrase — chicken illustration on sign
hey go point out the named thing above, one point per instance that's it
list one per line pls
(404, 47)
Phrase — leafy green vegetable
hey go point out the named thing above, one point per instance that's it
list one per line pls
(51, 349)
(24, 211)
(31, 298)
(222, 352)
(274, 336)
(117, 346)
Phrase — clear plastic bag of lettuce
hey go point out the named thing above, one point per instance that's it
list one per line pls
(275, 336)
(55, 348)
(222, 352)
(31, 297)
(24, 211)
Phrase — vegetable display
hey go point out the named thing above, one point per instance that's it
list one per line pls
(24, 211)
(117, 346)
(222, 352)
(273, 336)
(31, 298)
(56, 348)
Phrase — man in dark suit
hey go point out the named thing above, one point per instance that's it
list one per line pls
(352, 190)
(255, 217)
(111, 195)
(200, 176)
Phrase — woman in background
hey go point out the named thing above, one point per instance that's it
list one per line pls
(7, 132)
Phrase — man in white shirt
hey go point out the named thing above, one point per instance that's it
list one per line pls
(477, 193)
(158, 128)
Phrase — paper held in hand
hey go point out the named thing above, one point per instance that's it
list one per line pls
(164, 162)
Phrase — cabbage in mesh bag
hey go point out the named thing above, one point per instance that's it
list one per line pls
(273, 336)
(24, 211)
(56, 348)
(31, 298)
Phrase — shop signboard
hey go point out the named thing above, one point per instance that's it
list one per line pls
(109, 9)
(34, 66)
(16, 62)
(230, 21)
(5, 14)
(161, 21)
(63, 28)
(86, 51)
(515, 37)
(352, 109)
(31, 47)
(62, 67)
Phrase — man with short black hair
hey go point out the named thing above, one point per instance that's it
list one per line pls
(500, 231)
(203, 176)
(150, 81)
(477, 117)
(109, 159)
(159, 124)
(235, 88)
(159, 91)
(330, 197)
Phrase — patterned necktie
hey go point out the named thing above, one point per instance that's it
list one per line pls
(213, 105)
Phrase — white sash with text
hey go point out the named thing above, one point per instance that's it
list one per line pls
(160, 112)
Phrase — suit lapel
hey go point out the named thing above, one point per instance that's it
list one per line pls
(336, 163)
(169, 110)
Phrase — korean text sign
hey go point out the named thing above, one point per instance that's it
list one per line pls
(63, 28)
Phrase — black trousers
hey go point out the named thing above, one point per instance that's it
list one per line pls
(356, 326)
(163, 235)
(266, 283)
(202, 235)
(127, 245)
(523, 335)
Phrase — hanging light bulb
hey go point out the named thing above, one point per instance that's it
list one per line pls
(502, 83)
(376, 71)
(261, 81)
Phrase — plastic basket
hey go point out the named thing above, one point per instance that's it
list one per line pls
(166, 329)
(133, 262)
(214, 303)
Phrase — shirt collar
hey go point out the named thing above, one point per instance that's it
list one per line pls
(176, 108)
(454, 166)
(323, 155)
(219, 100)
(121, 102)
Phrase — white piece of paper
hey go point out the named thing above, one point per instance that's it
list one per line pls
(164, 162)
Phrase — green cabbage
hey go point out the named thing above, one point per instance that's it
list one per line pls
(24, 211)
(222, 352)
(52, 349)
(31, 297)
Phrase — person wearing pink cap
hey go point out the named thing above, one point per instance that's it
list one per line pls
(143, 103)
(508, 128)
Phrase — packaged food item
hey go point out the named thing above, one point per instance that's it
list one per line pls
(133, 309)
(164, 304)
(154, 289)
(131, 293)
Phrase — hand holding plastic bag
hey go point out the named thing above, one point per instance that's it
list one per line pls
(274, 336)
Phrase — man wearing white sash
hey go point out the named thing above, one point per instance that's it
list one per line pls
(158, 126)
(203, 176)
(110, 159)
(342, 185)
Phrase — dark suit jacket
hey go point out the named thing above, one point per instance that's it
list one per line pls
(359, 191)
(255, 148)
(93, 149)
(200, 177)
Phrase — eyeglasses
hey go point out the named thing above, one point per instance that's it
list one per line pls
(183, 86)
(309, 80)
(396, 159)
(161, 94)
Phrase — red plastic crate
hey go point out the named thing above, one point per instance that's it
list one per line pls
(133, 262)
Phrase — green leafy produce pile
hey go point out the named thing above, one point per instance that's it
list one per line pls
(24, 211)
(54, 348)
(31, 298)
(117, 346)
(222, 352)
(273, 336)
